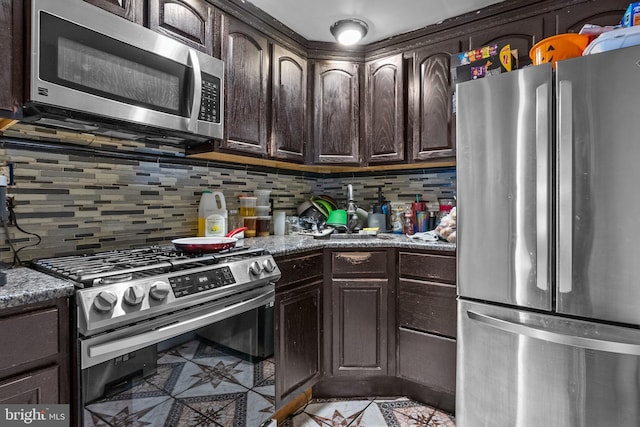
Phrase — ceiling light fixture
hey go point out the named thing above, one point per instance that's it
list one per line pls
(349, 31)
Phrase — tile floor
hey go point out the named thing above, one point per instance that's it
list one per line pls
(400, 412)
(196, 384)
(200, 385)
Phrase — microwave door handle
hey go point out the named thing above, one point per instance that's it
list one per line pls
(197, 91)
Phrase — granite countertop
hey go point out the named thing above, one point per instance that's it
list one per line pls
(292, 244)
(25, 285)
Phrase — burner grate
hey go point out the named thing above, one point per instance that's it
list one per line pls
(121, 265)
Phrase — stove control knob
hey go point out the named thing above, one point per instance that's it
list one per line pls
(269, 265)
(134, 295)
(255, 268)
(160, 290)
(105, 301)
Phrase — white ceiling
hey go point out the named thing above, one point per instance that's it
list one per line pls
(385, 18)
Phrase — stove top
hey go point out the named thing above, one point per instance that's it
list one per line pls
(122, 287)
(104, 268)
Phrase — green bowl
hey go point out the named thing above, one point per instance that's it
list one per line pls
(337, 217)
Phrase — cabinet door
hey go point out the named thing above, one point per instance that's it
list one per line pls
(128, 9)
(289, 124)
(246, 57)
(188, 21)
(33, 388)
(521, 35)
(384, 110)
(431, 124)
(298, 340)
(336, 91)
(598, 12)
(359, 332)
(11, 71)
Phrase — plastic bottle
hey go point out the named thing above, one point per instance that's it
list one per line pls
(212, 214)
(216, 220)
(397, 223)
(408, 223)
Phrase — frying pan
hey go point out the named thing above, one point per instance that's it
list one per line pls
(207, 244)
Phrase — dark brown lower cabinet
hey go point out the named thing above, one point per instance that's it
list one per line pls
(298, 325)
(359, 327)
(34, 355)
(32, 388)
(367, 322)
(359, 285)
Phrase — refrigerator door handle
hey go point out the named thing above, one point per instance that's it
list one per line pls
(565, 184)
(555, 337)
(542, 185)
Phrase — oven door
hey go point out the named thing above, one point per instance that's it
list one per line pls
(116, 361)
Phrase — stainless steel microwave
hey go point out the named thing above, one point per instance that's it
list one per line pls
(90, 68)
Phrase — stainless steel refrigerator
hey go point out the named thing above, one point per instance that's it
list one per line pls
(548, 170)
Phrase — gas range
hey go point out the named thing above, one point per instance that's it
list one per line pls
(122, 287)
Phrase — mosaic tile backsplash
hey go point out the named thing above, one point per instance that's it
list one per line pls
(83, 200)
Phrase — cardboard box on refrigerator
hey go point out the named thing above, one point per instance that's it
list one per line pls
(632, 16)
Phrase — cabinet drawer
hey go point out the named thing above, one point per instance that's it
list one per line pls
(440, 268)
(299, 269)
(34, 388)
(427, 306)
(28, 337)
(359, 263)
(427, 359)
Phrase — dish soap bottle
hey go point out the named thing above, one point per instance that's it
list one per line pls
(216, 219)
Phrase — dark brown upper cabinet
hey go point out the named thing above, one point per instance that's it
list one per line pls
(336, 104)
(599, 12)
(289, 100)
(11, 70)
(246, 57)
(384, 110)
(191, 22)
(132, 10)
(431, 125)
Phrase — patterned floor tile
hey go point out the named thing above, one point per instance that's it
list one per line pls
(92, 420)
(228, 410)
(337, 413)
(199, 379)
(260, 408)
(138, 409)
(405, 413)
(232, 369)
(264, 373)
(442, 419)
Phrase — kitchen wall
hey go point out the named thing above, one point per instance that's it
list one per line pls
(83, 193)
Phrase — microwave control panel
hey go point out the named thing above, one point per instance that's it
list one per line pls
(210, 102)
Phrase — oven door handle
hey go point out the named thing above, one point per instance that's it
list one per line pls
(102, 352)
